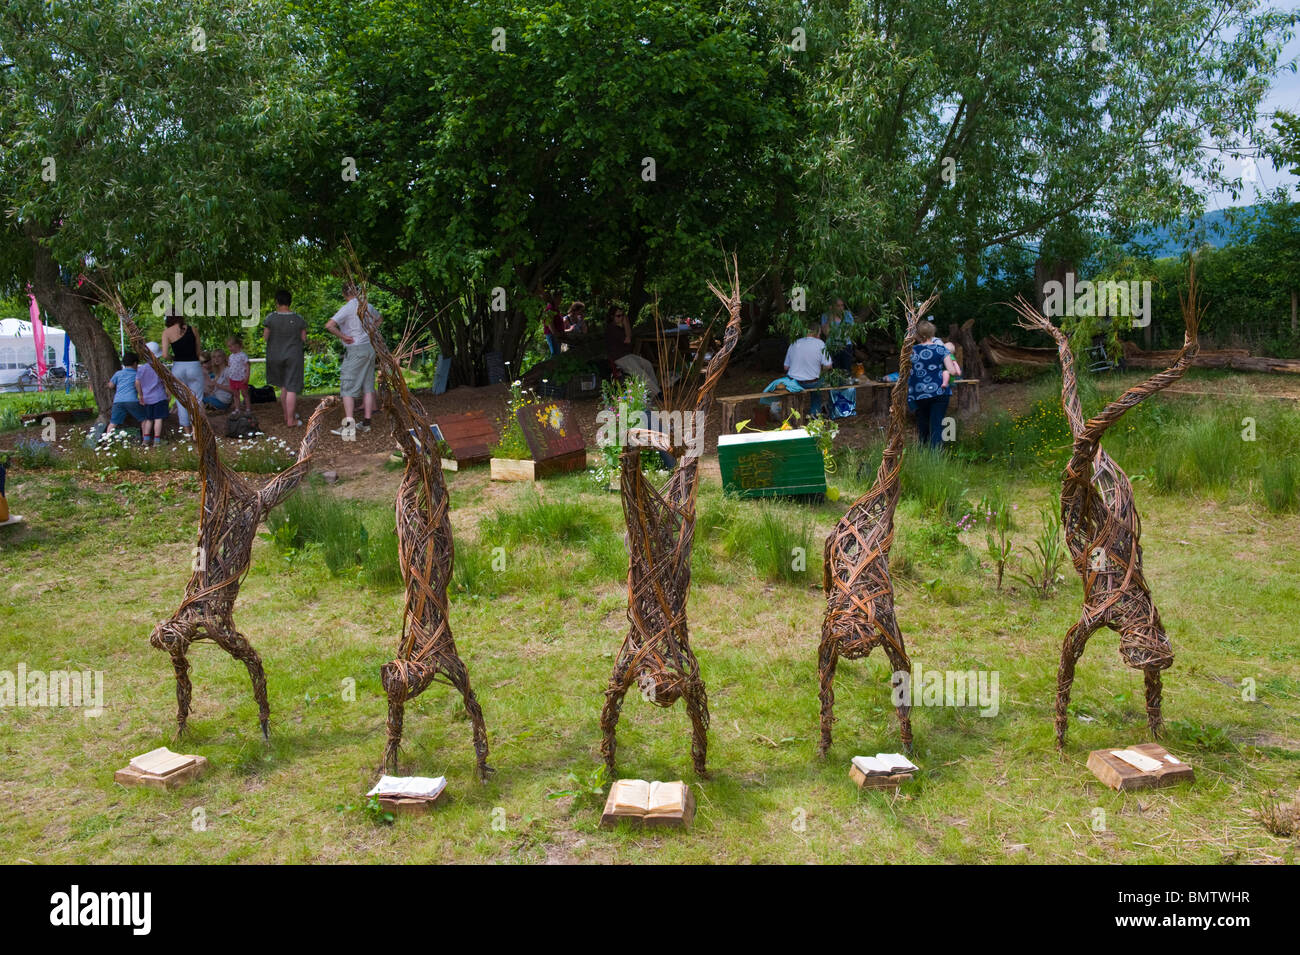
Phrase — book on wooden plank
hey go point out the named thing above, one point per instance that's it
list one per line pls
(409, 787)
(884, 764)
(161, 762)
(646, 803)
(639, 797)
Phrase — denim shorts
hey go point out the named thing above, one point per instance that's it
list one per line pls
(123, 408)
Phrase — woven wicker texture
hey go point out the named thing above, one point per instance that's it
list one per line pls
(855, 567)
(230, 510)
(656, 654)
(1102, 528)
(426, 653)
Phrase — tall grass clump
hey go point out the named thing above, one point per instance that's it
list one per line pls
(936, 480)
(472, 573)
(1279, 480)
(352, 540)
(539, 521)
(779, 550)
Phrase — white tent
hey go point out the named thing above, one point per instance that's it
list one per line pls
(18, 348)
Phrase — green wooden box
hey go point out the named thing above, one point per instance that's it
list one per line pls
(771, 464)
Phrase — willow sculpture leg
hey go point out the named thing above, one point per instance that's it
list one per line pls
(175, 637)
(697, 708)
(184, 689)
(1153, 693)
(619, 683)
(459, 676)
(827, 658)
(237, 645)
(396, 713)
(1075, 640)
(899, 663)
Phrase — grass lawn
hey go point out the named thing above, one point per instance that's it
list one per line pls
(105, 556)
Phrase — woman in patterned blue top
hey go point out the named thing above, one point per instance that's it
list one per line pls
(928, 388)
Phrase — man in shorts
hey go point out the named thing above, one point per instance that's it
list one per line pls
(285, 333)
(357, 374)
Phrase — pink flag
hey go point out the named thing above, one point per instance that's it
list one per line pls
(38, 337)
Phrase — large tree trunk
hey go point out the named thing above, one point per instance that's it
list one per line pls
(72, 313)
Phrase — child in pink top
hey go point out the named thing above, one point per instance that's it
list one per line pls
(239, 368)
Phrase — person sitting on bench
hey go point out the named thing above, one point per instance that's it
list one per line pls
(805, 360)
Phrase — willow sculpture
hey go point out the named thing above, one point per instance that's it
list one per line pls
(1102, 528)
(855, 566)
(230, 510)
(656, 654)
(426, 653)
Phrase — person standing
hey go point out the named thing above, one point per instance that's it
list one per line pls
(357, 375)
(181, 342)
(153, 398)
(928, 387)
(240, 368)
(285, 334)
(805, 360)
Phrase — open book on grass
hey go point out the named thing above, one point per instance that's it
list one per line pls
(884, 764)
(637, 798)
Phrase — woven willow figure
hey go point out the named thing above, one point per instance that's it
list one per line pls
(656, 654)
(426, 653)
(1102, 528)
(859, 592)
(230, 510)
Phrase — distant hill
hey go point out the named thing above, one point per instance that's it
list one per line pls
(1214, 228)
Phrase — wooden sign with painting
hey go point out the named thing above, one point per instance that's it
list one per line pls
(554, 440)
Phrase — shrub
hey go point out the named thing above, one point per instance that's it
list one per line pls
(32, 454)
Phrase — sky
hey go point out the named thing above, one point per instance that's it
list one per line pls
(1284, 95)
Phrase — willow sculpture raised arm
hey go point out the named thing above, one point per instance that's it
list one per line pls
(230, 510)
(859, 591)
(426, 652)
(1102, 528)
(656, 654)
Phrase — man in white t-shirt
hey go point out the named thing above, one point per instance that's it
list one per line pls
(357, 374)
(805, 360)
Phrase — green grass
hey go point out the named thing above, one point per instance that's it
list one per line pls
(539, 636)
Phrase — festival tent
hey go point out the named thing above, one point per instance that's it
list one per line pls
(18, 348)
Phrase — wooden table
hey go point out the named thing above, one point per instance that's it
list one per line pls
(875, 401)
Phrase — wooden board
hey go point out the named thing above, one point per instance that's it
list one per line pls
(407, 806)
(1117, 774)
(470, 436)
(496, 367)
(61, 417)
(441, 374)
(608, 820)
(551, 429)
(877, 781)
(130, 776)
(509, 469)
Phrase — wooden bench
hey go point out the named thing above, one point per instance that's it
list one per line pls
(874, 402)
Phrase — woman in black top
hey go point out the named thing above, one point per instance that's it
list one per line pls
(183, 342)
